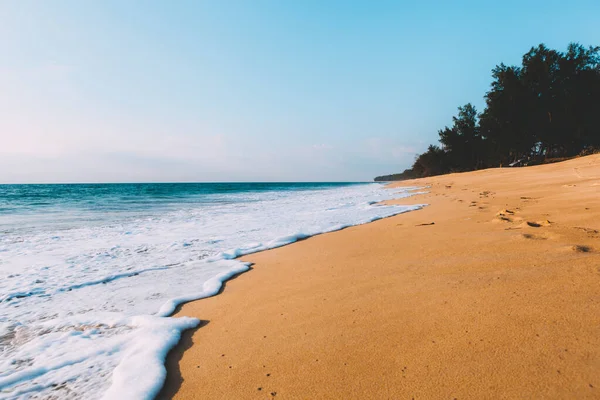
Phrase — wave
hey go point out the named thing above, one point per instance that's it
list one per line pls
(86, 310)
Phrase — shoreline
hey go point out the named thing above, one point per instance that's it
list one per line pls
(401, 307)
(175, 353)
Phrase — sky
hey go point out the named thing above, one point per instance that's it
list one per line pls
(255, 90)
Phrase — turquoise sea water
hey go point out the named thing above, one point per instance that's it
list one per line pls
(22, 206)
(90, 273)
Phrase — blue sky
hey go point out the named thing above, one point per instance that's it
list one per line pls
(122, 91)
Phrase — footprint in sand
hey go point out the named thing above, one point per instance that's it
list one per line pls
(578, 248)
(506, 216)
(533, 237)
(581, 249)
(539, 224)
(505, 211)
(592, 233)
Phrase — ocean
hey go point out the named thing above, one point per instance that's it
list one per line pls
(90, 273)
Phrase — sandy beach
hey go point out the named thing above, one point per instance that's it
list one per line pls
(492, 291)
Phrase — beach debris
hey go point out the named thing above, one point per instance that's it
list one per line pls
(426, 224)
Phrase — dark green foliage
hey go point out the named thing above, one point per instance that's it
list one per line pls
(434, 161)
(463, 143)
(549, 107)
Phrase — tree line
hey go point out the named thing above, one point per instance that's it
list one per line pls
(547, 108)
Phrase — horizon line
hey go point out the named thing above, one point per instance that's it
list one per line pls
(172, 182)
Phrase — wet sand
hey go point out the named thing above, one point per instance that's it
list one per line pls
(492, 291)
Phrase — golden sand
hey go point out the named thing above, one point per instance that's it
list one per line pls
(492, 291)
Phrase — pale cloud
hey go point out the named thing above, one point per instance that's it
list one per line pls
(402, 151)
(388, 149)
(322, 146)
(56, 68)
(51, 132)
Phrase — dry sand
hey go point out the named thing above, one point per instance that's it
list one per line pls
(498, 298)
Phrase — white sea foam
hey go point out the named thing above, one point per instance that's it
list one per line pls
(84, 310)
